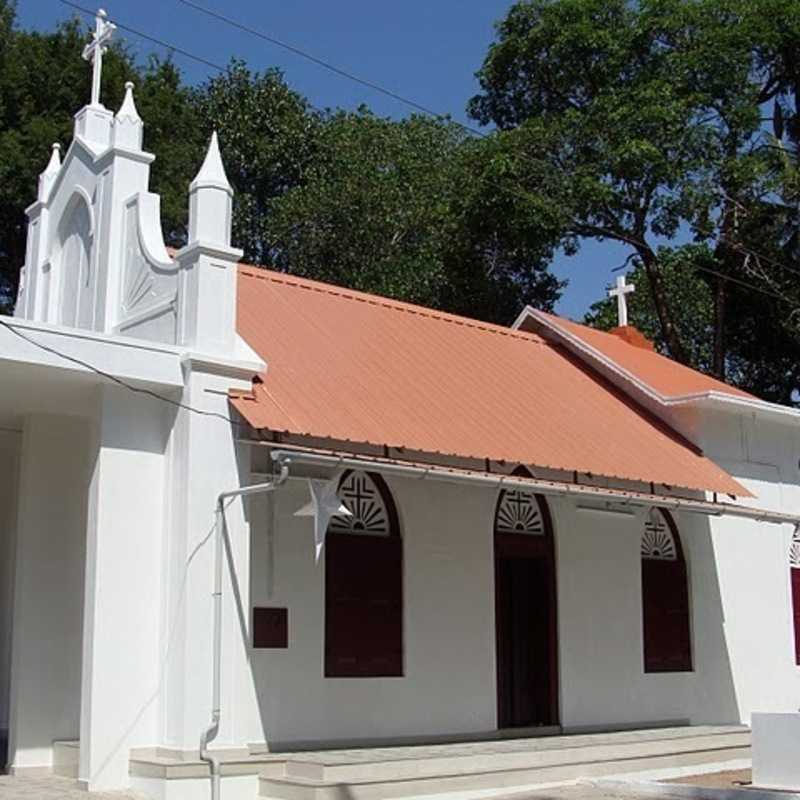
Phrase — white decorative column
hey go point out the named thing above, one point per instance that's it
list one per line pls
(206, 461)
(207, 305)
(48, 590)
(123, 642)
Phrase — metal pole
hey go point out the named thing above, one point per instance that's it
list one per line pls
(210, 733)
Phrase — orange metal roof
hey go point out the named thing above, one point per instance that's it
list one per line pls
(667, 377)
(358, 368)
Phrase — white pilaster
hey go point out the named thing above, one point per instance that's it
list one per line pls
(122, 655)
(206, 461)
(48, 590)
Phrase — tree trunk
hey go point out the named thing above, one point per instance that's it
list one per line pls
(718, 360)
(668, 330)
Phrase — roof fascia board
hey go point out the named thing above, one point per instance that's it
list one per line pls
(707, 399)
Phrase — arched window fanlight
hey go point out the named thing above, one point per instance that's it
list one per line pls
(518, 512)
(794, 549)
(665, 596)
(366, 499)
(794, 573)
(364, 583)
(657, 542)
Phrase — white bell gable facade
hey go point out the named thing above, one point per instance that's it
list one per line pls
(161, 629)
(97, 646)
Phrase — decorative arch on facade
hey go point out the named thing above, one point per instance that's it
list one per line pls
(526, 619)
(76, 297)
(666, 614)
(794, 575)
(364, 582)
(520, 511)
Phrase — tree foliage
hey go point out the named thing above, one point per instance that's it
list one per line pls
(643, 123)
(397, 207)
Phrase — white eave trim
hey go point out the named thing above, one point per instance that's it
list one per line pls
(284, 455)
(710, 398)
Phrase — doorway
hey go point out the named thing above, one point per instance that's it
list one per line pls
(525, 613)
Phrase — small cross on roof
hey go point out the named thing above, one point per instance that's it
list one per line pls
(622, 289)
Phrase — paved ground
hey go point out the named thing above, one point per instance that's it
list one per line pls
(734, 779)
(51, 788)
(577, 792)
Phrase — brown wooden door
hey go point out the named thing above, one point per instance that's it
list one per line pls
(526, 637)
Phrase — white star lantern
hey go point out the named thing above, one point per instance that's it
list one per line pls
(325, 503)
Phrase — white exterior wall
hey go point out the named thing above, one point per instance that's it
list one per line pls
(10, 442)
(603, 682)
(449, 660)
(48, 591)
(738, 581)
(753, 559)
(121, 686)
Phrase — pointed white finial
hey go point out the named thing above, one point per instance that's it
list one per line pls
(128, 108)
(127, 123)
(622, 289)
(212, 173)
(211, 201)
(50, 171)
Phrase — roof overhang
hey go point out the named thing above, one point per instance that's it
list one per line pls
(620, 497)
(626, 379)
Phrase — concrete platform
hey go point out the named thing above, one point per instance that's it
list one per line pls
(471, 769)
(486, 768)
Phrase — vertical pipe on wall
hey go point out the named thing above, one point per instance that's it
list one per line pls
(210, 733)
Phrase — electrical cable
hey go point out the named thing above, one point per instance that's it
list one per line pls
(377, 87)
(119, 381)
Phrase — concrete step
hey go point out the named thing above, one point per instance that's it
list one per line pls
(487, 768)
(66, 756)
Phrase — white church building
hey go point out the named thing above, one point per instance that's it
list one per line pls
(502, 531)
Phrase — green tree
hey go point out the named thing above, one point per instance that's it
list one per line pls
(406, 208)
(268, 136)
(642, 123)
(398, 208)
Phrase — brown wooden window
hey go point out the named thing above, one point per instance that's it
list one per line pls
(364, 583)
(665, 597)
(794, 572)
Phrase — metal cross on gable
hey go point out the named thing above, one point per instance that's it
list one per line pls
(96, 48)
(619, 292)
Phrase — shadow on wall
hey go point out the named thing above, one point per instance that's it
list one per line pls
(627, 695)
(712, 664)
(603, 678)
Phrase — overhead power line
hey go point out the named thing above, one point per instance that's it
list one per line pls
(366, 82)
(519, 192)
(146, 36)
(9, 326)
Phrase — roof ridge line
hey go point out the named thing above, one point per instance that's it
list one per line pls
(309, 284)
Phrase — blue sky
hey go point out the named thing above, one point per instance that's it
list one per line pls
(426, 51)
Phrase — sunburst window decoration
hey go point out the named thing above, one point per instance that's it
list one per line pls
(794, 548)
(658, 543)
(369, 513)
(518, 512)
